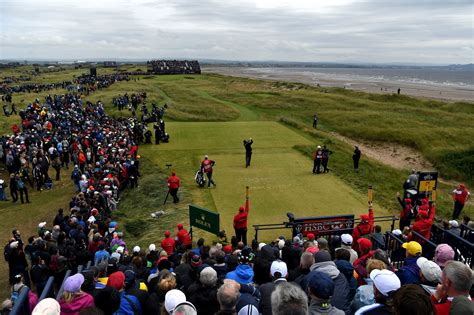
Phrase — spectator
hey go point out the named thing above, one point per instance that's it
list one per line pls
(243, 274)
(454, 227)
(288, 298)
(460, 196)
(346, 243)
(360, 264)
(172, 299)
(346, 268)
(323, 263)
(410, 272)
(47, 306)
(378, 237)
(297, 275)
(279, 272)
(203, 293)
(430, 274)
(365, 293)
(73, 299)
(320, 291)
(386, 283)
(424, 220)
(443, 254)
(456, 281)
(228, 295)
(129, 304)
(411, 299)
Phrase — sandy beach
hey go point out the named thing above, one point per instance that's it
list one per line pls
(446, 93)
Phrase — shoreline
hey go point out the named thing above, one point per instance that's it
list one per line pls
(444, 93)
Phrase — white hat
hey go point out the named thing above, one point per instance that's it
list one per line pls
(385, 281)
(279, 266)
(454, 223)
(47, 306)
(91, 219)
(430, 270)
(346, 239)
(173, 298)
(397, 232)
(248, 310)
(260, 246)
(152, 247)
(136, 249)
(319, 147)
(205, 156)
(120, 249)
(42, 225)
(14, 244)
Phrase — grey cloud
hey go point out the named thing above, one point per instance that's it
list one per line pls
(367, 31)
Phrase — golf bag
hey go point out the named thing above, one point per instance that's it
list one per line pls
(200, 179)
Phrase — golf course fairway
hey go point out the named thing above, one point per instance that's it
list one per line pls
(280, 178)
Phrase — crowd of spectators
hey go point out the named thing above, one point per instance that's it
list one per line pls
(174, 67)
(87, 84)
(33, 87)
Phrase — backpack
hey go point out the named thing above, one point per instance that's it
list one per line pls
(16, 294)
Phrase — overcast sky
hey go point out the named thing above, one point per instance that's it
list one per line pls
(379, 31)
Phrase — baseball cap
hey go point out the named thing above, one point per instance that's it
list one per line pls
(42, 225)
(73, 283)
(310, 236)
(152, 247)
(364, 217)
(173, 298)
(346, 239)
(321, 285)
(167, 233)
(385, 281)
(430, 270)
(227, 249)
(412, 247)
(279, 266)
(443, 253)
(179, 226)
(14, 244)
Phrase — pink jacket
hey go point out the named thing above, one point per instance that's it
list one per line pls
(75, 306)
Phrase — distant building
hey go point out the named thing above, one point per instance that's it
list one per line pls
(110, 64)
(173, 67)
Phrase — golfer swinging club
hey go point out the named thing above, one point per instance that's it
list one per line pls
(248, 151)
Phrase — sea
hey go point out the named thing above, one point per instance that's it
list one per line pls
(459, 79)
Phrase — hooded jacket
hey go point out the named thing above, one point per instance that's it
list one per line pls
(243, 274)
(347, 270)
(340, 298)
(316, 309)
(75, 306)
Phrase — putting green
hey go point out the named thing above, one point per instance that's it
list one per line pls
(280, 178)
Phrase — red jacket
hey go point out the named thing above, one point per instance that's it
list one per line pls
(240, 219)
(173, 182)
(363, 229)
(423, 225)
(460, 195)
(183, 237)
(168, 245)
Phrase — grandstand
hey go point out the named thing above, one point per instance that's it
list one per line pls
(173, 67)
